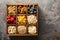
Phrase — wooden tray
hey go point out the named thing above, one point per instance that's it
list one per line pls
(27, 24)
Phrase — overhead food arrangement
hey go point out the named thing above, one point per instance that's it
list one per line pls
(22, 20)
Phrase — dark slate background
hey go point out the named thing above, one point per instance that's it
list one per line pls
(49, 19)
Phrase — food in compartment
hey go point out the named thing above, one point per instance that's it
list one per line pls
(32, 29)
(11, 10)
(22, 9)
(32, 19)
(21, 19)
(22, 29)
(11, 29)
(11, 19)
(32, 9)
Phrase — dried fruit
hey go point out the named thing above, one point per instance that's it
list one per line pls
(8, 21)
(11, 19)
(11, 29)
(32, 9)
(32, 29)
(8, 17)
(31, 19)
(11, 10)
(14, 22)
(21, 19)
(21, 29)
(22, 9)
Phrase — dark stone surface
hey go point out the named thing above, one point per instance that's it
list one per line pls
(49, 19)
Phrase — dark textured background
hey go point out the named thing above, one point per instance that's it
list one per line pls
(49, 19)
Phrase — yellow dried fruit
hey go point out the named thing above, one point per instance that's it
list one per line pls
(21, 19)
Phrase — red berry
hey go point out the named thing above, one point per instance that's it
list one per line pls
(12, 19)
(8, 17)
(14, 22)
(14, 16)
(8, 20)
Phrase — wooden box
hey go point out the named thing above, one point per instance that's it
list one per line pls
(22, 20)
